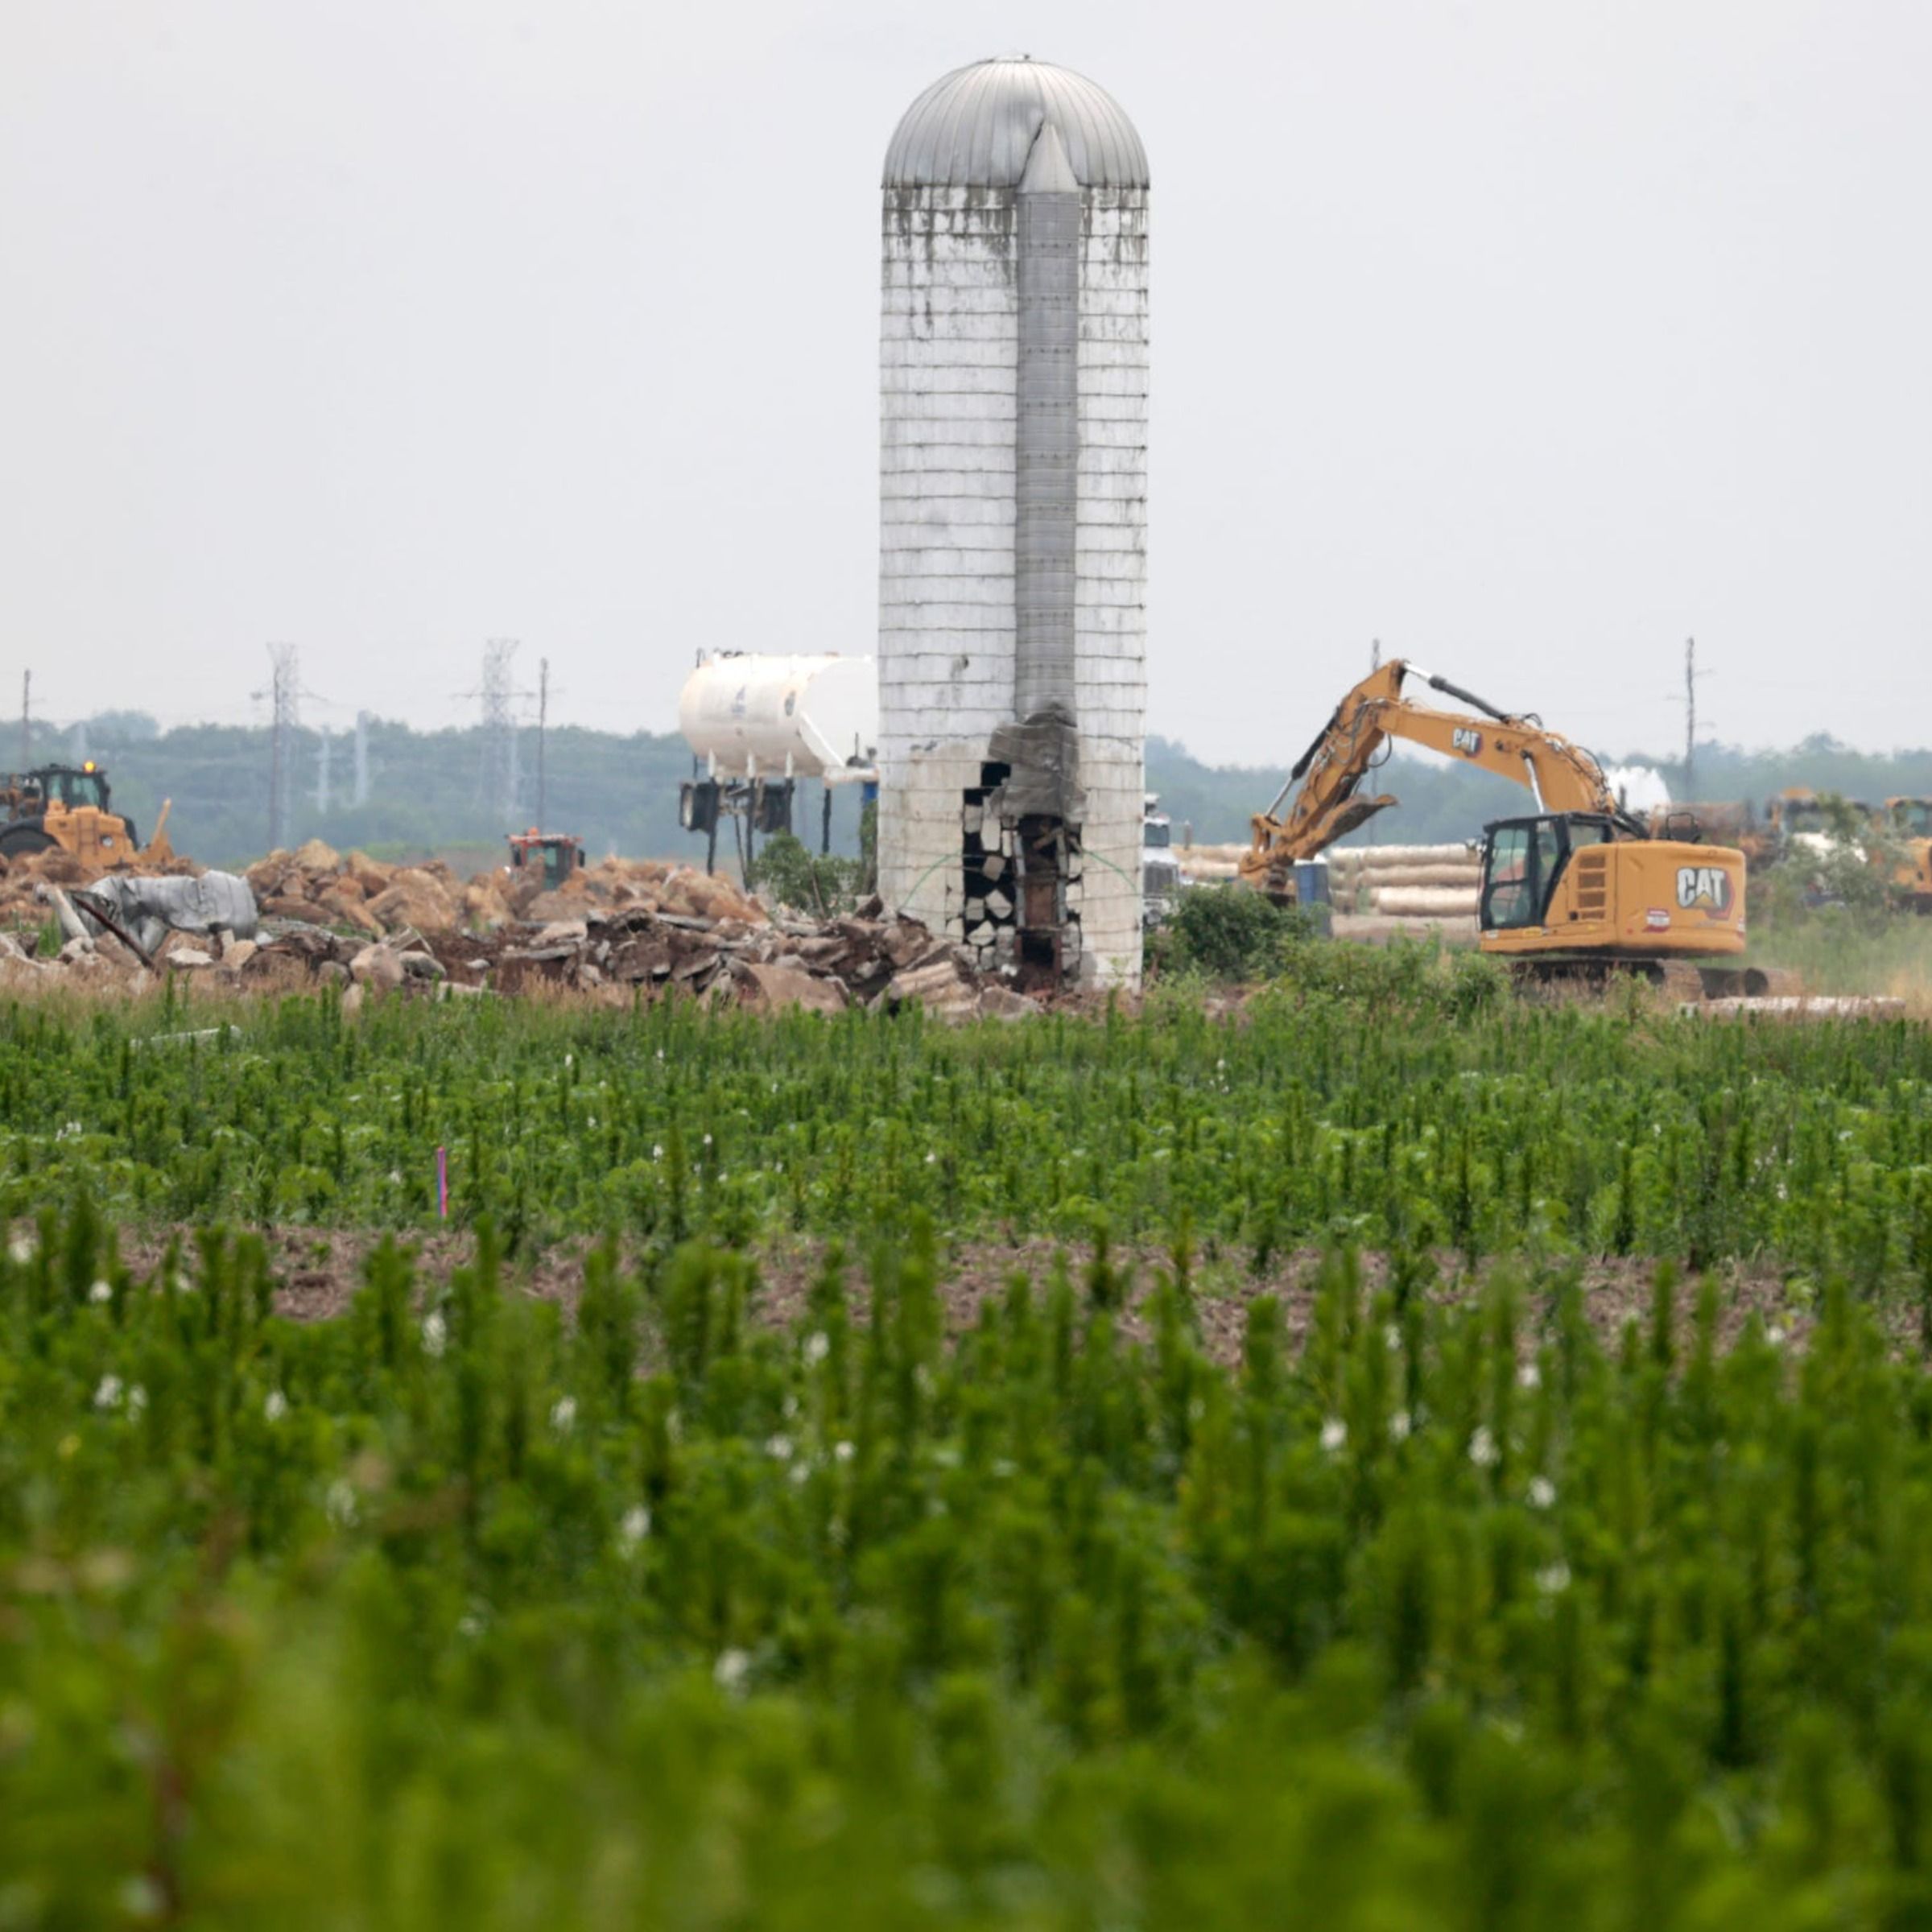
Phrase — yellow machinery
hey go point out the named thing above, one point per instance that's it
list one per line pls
(1908, 822)
(67, 806)
(1573, 891)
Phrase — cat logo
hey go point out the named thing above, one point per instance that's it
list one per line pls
(1703, 885)
(1464, 739)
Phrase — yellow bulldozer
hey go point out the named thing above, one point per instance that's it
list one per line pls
(68, 808)
(1576, 890)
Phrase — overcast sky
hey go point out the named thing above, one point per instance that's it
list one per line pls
(1531, 338)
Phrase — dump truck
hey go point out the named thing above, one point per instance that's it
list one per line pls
(69, 808)
(1576, 890)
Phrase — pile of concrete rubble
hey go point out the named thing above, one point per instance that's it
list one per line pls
(746, 957)
(868, 959)
(317, 885)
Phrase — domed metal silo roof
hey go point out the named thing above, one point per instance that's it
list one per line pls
(975, 127)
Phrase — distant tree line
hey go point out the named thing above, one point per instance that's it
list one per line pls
(619, 791)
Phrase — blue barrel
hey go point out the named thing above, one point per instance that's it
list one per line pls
(1311, 881)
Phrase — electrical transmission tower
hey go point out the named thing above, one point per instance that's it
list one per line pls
(26, 719)
(284, 693)
(498, 779)
(363, 721)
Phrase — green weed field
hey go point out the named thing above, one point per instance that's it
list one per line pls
(1396, 1120)
(1442, 1610)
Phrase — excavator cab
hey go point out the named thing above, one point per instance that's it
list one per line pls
(1523, 859)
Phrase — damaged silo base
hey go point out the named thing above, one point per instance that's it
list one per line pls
(1020, 843)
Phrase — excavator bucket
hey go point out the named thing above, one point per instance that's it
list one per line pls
(1355, 813)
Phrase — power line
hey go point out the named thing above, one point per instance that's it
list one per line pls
(1691, 675)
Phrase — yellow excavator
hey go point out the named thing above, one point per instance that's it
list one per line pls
(67, 807)
(1576, 890)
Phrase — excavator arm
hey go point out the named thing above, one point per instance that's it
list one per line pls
(1325, 806)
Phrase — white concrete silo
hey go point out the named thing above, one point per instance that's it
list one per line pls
(1012, 378)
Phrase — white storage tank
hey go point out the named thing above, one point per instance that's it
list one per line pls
(749, 715)
(1012, 382)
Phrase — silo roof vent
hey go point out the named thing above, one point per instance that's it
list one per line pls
(976, 127)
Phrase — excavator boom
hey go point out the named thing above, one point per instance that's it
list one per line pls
(1561, 776)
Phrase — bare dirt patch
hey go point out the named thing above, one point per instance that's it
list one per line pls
(317, 1272)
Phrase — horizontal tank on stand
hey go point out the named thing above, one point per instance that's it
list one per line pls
(747, 716)
(756, 725)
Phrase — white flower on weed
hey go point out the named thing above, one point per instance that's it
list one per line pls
(590, 1120)
(1530, 1376)
(1775, 1335)
(842, 1451)
(107, 1395)
(1542, 1492)
(435, 1334)
(930, 1158)
(1399, 1425)
(1554, 1578)
(1392, 1338)
(657, 1151)
(274, 1405)
(137, 1402)
(340, 1502)
(469, 1625)
(818, 1345)
(730, 1670)
(778, 1448)
(570, 1059)
(799, 1474)
(395, 1177)
(707, 1140)
(101, 1291)
(70, 1130)
(1334, 1434)
(660, 1053)
(21, 1249)
(1483, 1450)
(564, 1414)
(635, 1527)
